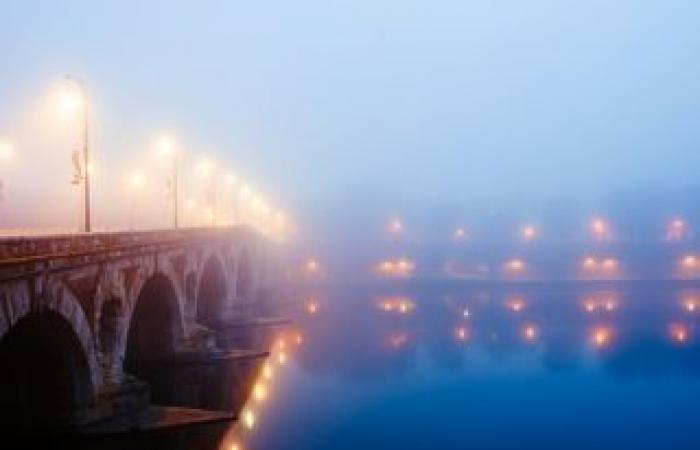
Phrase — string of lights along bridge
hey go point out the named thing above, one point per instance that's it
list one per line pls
(221, 197)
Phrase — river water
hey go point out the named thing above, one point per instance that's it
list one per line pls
(450, 366)
(557, 366)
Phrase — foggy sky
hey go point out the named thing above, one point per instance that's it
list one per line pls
(410, 101)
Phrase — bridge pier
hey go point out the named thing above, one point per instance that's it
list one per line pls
(102, 310)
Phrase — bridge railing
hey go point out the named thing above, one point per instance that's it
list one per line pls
(19, 249)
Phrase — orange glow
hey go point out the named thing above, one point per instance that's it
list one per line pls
(401, 305)
(690, 305)
(70, 99)
(398, 340)
(679, 333)
(610, 263)
(396, 268)
(311, 266)
(259, 392)
(267, 372)
(249, 418)
(601, 336)
(395, 226)
(514, 266)
(607, 266)
(599, 228)
(461, 334)
(608, 303)
(311, 307)
(529, 233)
(282, 358)
(530, 332)
(689, 262)
(459, 235)
(676, 230)
(299, 339)
(516, 304)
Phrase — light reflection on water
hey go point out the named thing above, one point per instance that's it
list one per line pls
(558, 366)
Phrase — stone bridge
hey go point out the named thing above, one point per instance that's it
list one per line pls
(80, 313)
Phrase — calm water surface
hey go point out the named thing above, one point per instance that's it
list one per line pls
(548, 366)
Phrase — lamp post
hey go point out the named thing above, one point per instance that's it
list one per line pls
(74, 97)
(166, 148)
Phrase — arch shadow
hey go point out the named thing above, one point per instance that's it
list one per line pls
(154, 324)
(45, 381)
(212, 295)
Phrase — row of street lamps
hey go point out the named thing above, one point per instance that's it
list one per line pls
(73, 101)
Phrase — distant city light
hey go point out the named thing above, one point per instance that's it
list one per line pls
(401, 305)
(514, 265)
(676, 230)
(601, 336)
(607, 302)
(690, 304)
(589, 263)
(530, 332)
(395, 226)
(459, 234)
(311, 266)
(516, 304)
(311, 307)
(689, 262)
(600, 229)
(395, 268)
(679, 333)
(461, 334)
(398, 339)
(529, 233)
(604, 267)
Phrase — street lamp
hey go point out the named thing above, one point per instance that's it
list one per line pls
(72, 101)
(166, 149)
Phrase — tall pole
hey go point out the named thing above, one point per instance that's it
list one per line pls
(86, 156)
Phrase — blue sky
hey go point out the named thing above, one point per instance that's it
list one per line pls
(411, 100)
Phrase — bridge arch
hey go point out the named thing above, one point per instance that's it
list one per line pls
(212, 295)
(244, 276)
(46, 376)
(155, 323)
